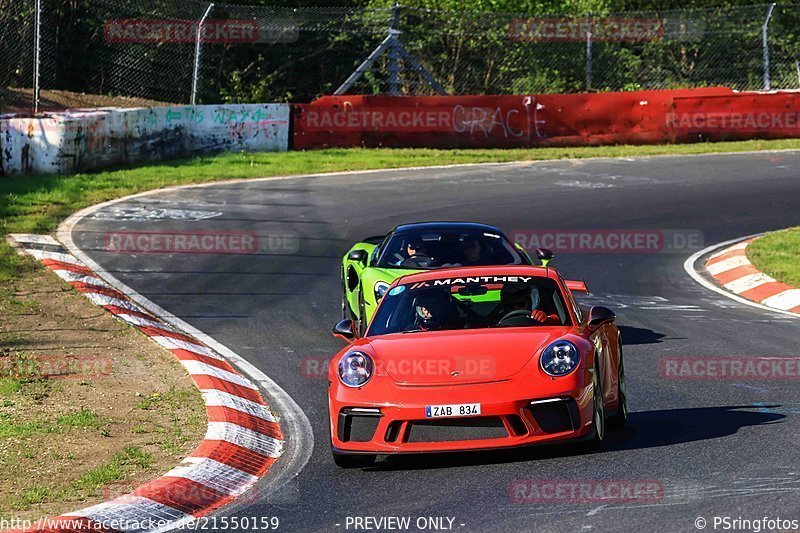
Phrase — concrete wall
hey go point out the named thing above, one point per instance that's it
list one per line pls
(81, 140)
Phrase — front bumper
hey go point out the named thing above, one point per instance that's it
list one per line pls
(514, 413)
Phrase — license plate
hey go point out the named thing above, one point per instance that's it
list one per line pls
(461, 409)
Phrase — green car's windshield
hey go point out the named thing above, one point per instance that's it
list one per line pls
(470, 303)
(427, 250)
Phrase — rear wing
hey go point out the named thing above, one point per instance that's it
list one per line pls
(576, 286)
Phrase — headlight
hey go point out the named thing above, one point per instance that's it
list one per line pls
(380, 289)
(560, 358)
(355, 369)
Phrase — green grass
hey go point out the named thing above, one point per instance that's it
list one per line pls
(10, 386)
(85, 418)
(778, 255)
(131, 459)
(11, 426)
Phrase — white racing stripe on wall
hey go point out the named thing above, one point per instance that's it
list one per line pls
(786, 300)
(213, 474)
(727, 264)
(246, 438)
(745, 283)
(218, 398)
(131, 514)
(196, 367)
(176, 344)
(70, 277)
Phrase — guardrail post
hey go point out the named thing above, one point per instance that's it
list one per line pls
(197, 50)
(37, 48)
(589, 37)
(765, 46)
(394, 53)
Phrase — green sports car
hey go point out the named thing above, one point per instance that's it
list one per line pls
(372, 265)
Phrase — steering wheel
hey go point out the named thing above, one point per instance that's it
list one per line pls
(418, 260)
(515, 316)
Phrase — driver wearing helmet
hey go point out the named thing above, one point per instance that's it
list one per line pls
(433, 311)
(519, 297)
(413, 250)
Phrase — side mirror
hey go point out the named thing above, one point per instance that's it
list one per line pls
(544, 255)
(345, 330)
(600, 315)
(359, 256)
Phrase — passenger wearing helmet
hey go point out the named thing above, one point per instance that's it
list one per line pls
(434, 310)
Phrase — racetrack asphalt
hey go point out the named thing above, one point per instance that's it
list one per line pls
(717, 447)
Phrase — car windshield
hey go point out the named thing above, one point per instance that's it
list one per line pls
(470, 303)
(427, 250)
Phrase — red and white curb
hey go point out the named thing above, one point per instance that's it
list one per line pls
(733, 271)
(242, 442)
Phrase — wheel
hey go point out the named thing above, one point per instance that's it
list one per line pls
(352, 461)
(619, 420)
(598, 412)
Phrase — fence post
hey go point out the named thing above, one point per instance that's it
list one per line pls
(37, 47)
(589, 37)
(765, 46)
(197, 49)
(394, 55)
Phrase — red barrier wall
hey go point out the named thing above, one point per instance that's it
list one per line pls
(735, 116)
(488, 121)
(642, 117)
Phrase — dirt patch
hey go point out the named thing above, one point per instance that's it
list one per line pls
(89, 407)
(17, 100)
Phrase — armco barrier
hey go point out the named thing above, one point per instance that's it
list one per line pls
(81, 140)
(642, 117)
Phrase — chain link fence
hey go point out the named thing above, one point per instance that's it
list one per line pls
(106, 52)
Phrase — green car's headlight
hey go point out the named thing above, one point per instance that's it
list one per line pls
(380, 289)
(560, 358)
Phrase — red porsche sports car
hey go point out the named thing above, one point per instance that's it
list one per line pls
(473, 359)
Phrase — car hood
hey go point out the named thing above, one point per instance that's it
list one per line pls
(460, 356)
